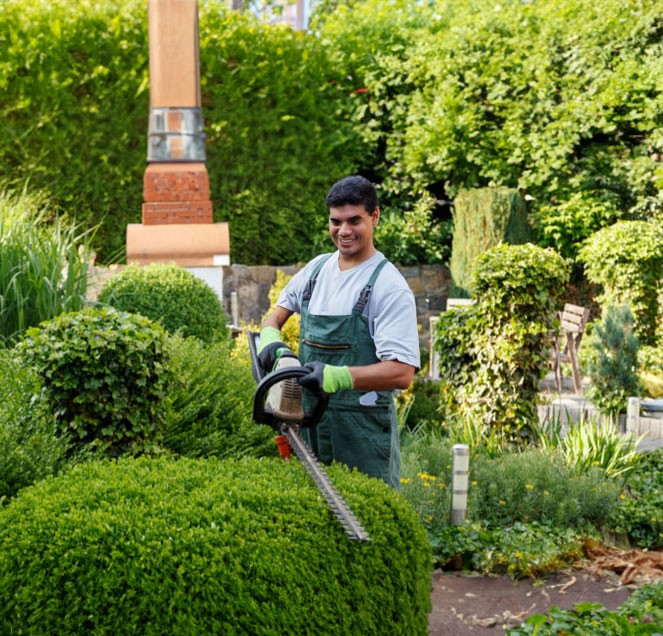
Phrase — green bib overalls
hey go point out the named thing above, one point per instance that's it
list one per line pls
(358, 428)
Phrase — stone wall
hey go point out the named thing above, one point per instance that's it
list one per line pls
(429, 283)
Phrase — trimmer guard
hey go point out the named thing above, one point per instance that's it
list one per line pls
(264, 416)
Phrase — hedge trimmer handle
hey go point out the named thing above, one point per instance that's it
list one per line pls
(264, 416)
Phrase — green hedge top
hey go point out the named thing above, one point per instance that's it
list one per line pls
(171, 296)
(208, 547)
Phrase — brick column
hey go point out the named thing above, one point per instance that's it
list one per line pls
(176, 185)
(177, 211)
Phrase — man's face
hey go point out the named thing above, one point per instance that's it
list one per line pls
(351, 228)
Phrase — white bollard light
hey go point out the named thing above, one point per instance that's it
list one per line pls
(460, 470)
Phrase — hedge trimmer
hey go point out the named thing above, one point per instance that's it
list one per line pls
(278, 403)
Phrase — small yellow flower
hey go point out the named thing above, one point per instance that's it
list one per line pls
(502, 502)
(529, 486)
(518, 555)
(546, 493)
(429, 519)
(405, 480)
(426, 484)
(654, 519)
(622, 496)
(596, 463)
(474, 482)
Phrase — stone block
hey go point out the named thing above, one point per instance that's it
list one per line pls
(264, 274)
(436, 278)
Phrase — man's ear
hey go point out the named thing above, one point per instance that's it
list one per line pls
(376, 216)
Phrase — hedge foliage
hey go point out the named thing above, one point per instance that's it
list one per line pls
(104, 375)
(484, 218)
(170, 295)
(155, 546)
(626, 259)
(73, 118)
(30, 449)
(76, 101)
(493, 354)
(559, 100)
(211, 403)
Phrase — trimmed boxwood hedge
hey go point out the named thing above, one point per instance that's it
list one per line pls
(162, 546)
(104, 374)
(171, 296)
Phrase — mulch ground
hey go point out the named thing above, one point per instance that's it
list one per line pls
(473, 604)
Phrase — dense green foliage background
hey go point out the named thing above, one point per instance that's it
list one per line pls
(561, 100)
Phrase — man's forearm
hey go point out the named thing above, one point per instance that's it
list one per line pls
(382, 376)
(277, 318)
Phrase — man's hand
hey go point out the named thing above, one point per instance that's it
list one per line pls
(326, 377)
(271, 349)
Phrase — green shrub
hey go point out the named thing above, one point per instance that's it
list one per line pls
(155, 546)
(73, 118)
(589, 444)
(423, 409)
(520, 550)
(29, 447)
(484, 218)
(211, 403)
(626, 259)
(43, 269)
(646, 603)
(537, 486)
(412, 237)
(613, 368)
(641, 614)
(495, 352)
(169, 295)
(650, 369)
(426, 476)
(104, 375)
(639, 515)
(566, 225)
(550, 98)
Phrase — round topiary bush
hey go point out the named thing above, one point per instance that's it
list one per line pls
(187, 547)
(171, 296)
(104, 375)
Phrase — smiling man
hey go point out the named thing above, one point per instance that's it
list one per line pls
(358, 338)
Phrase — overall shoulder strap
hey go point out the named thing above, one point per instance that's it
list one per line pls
(365, 294)
(310, 285)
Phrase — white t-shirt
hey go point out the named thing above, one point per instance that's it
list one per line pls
(391, 310)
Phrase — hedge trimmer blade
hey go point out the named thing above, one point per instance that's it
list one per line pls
(335, 501)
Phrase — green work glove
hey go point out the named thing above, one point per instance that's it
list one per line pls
(326, 377)
(267, 336)
(271, 349)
